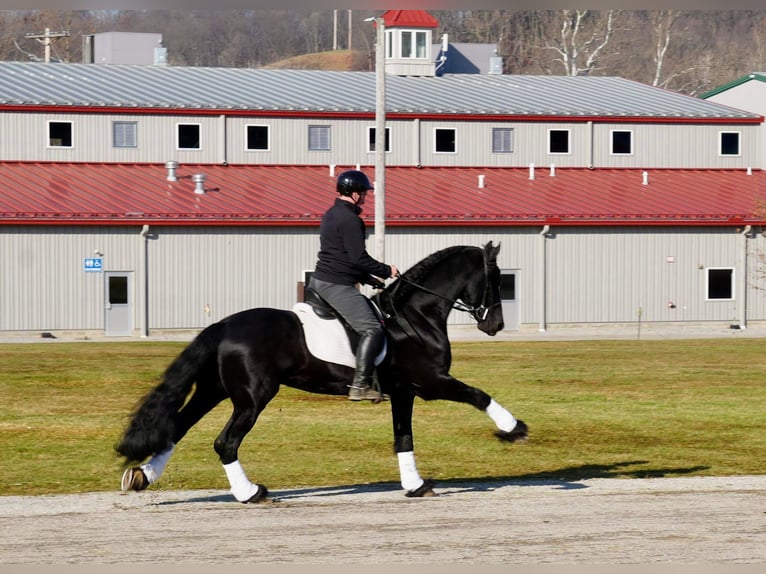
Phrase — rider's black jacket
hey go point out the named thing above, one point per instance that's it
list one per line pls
(343, 257)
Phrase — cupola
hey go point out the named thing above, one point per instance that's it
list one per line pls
(409, 42)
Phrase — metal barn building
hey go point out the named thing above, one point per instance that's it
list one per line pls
(121, 251)
(148, 199)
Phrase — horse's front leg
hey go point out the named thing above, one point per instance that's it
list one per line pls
(508, 427)
(448, 388)
(411, 481)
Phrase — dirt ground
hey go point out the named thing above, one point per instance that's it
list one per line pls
(692, 520)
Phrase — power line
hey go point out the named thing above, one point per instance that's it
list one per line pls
(47, 39)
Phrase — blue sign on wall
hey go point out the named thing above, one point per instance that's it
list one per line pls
(93, 264)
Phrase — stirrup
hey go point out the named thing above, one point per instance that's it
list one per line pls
(356, 393)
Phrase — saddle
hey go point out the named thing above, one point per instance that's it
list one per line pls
(328, 336)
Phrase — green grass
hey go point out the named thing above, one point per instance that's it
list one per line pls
(594, 408)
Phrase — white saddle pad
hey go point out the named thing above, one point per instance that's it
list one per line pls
(326, 339)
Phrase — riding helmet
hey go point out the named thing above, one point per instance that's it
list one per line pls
(353, 181)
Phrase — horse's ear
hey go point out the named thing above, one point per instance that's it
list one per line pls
(492, 250)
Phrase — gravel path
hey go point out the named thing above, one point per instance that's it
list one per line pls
(719, 520)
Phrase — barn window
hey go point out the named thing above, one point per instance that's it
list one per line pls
(508, 287)
(371, 139)
(444, 140)
(413, 44)
(60, 134)
(622, 142)
(319, 138)
(188, 136)
(124, 134)
(502, 140)
(258, 138)
(729, 143)
(558, 141)
(720, 284)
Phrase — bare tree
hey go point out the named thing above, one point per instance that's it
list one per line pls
(582, 39)
(663, 22)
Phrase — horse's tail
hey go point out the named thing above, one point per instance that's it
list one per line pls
(152, 425)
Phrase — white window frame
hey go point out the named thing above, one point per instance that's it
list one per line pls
(133, 137)
(733, 283)
(569, 141)
(71, 134)
(506, 133)
(178, 136)
(325, 133)
(371, 143)
(418, 42)
(720, 143)
(454, 131)
(268, 137)
(611, 143)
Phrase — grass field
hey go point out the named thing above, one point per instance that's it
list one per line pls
(594, 408)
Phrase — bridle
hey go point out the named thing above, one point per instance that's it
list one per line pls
(479, 312)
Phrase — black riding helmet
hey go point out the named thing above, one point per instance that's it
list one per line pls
(353, 181)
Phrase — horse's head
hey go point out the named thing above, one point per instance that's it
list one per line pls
(483, 293)
(457, 277)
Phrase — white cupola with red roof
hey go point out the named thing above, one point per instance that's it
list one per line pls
(409, 41)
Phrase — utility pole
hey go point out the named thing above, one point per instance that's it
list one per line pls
(349, 30)
(46, 39)
(380, 141)
(334, 30)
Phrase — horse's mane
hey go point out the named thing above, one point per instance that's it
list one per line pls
(400, 290)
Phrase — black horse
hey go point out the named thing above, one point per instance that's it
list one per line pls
(248, 355)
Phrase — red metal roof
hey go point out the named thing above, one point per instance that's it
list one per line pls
(85, 193)
(409, 19)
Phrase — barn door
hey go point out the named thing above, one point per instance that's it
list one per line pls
(509, 299)
(118, 304)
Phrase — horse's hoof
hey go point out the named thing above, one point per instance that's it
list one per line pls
(518, 434)
(260, 495)
(134, 479)
(425, 489)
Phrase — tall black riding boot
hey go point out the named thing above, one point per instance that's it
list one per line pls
(370, 343)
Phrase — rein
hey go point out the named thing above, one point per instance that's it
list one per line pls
(479, 313)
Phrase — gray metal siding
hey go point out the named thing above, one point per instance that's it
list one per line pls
(750, 96)
(623, 275)
(43, 284)
(676, 146)
(24, 137)
(198, 275)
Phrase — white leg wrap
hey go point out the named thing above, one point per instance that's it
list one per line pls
(504, 420)
(154, 468)
(408, 471)
(241, 487)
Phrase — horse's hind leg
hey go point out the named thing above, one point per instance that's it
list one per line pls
(250, 392)
(401, 413)
(202, 401)
(227, 446)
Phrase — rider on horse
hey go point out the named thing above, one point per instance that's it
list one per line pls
(343, 262)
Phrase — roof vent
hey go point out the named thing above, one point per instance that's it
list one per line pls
(199, 183)
(553, 170)
(481, 181)
(531, 171)
(171, 166)
(645, 178)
